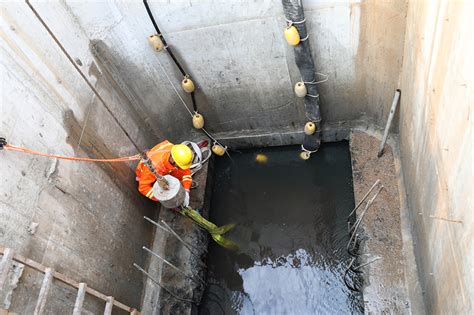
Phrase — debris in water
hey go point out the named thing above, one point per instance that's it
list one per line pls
(261, 158)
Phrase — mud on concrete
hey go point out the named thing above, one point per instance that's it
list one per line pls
(384, 291)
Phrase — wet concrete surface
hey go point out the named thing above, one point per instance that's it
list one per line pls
(291, 229)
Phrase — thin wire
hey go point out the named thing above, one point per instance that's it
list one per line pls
(185, 105)
(168, 49)
(56, 40)
(85, 123)
(290, 22)
(317, 82)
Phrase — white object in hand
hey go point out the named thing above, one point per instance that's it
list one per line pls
(186, 200)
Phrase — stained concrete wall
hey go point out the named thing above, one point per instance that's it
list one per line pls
(244, 69)
(90, 215)
(436, 149)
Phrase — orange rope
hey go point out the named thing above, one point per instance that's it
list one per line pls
(10, 147)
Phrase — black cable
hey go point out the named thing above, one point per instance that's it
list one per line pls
(168, 49)
(194, 102)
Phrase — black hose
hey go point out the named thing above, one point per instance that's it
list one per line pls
(168, 49)
(194, 102)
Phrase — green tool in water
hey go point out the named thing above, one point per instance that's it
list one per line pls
(215, 231)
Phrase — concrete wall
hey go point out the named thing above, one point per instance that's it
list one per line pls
(244, 69)
(89, 215)
(436, 149)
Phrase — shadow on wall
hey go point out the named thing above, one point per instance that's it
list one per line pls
(159, 115)
(86, 138)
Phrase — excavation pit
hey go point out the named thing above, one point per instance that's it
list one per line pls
(291, 218)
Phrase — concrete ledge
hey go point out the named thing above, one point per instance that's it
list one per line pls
(385, 290)
(336, 131)
(155, 300)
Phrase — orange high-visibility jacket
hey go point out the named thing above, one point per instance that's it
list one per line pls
(159, 156)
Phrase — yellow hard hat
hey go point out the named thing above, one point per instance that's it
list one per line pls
(182, 156)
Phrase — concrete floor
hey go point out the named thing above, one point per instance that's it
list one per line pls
(386, 285)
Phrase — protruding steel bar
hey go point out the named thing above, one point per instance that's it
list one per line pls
(365, 197)
(168, 229)
(393, 108)
(172, 266)
(190, 247)
(179, 238)
(159, 284)
(367, 263)
(359, 220)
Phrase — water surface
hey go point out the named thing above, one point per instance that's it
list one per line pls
(291, 229)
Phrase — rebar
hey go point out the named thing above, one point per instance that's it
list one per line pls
(188, 246)
(393, 108)
(345, 277)
(179, 238)
(367, 263)
(365, 197)
(359, 220)
(174, 267)
(161, 286)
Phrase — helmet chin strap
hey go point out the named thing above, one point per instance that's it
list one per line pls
(198, 152)
(172, 162)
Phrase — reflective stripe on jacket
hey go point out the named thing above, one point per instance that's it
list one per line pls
(159, 156)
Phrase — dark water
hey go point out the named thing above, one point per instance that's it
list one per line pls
(292, 233)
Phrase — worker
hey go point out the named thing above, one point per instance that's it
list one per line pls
(168, 159)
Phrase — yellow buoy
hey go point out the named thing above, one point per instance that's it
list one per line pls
(300, 89)
(218, 149)
(304, 155)
(291, 35)
(261, 158)
(156, 42)
(187, 84)
(198, 121)
(309, 128)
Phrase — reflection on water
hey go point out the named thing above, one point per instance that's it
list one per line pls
(292, 232)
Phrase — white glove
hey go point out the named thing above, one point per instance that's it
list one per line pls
(186, 200)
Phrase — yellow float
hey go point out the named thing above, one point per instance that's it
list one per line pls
(187, 84)
(300, 89)
(291, 35)
(217, 149)
(309, 128)
(198, 121)
(156, 42)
